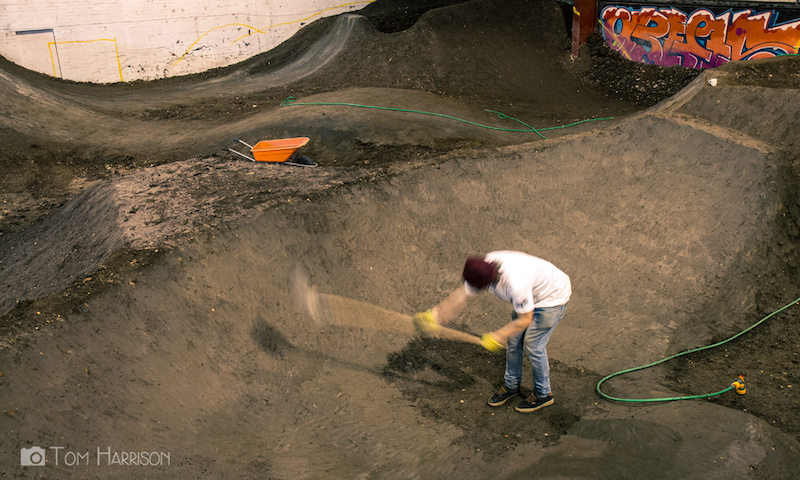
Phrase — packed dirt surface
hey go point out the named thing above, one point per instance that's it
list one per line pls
(148, 319)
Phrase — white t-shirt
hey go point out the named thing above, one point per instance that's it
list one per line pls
(527, 282)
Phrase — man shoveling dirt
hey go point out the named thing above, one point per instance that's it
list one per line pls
(539, 292)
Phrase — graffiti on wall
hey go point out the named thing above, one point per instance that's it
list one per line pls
(669, 37)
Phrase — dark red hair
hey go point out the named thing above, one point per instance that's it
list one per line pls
(479, 273)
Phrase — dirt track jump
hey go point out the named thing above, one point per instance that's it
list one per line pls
(148, 279)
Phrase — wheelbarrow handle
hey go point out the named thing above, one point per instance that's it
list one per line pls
(243, 143)
(239, 153)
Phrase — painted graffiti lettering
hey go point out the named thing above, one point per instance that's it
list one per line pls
(670, 37)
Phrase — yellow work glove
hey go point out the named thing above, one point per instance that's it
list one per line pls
(424, 322)
(489, 343)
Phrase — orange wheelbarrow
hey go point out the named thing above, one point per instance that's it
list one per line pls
(277, 151)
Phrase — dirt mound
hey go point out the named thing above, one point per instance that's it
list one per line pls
(481, 55)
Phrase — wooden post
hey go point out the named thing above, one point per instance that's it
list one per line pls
(584, 18)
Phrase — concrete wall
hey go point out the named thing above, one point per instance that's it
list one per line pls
(122, 40)
(695, 36)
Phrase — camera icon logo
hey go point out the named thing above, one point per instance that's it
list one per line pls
(32, 457)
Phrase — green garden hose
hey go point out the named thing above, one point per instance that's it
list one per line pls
(669, 399)
(291, 101)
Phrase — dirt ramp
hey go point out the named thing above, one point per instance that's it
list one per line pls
(205, 359)
(205, 355)
(508, 55)
(66, 246)
(341, 126)
(741, 109)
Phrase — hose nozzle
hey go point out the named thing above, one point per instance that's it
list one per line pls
(738, 385)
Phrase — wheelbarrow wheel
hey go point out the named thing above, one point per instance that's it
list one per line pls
(301, 161)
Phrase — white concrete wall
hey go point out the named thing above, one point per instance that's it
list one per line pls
(107, 41)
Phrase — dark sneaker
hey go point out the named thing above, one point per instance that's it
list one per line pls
(531, 404)
(502, 396)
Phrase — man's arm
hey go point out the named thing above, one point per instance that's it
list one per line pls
(512, 328)
(451, 306)
(446, 310)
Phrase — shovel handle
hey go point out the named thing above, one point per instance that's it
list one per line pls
(456, 335)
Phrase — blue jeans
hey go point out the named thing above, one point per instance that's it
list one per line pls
(534, 341)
